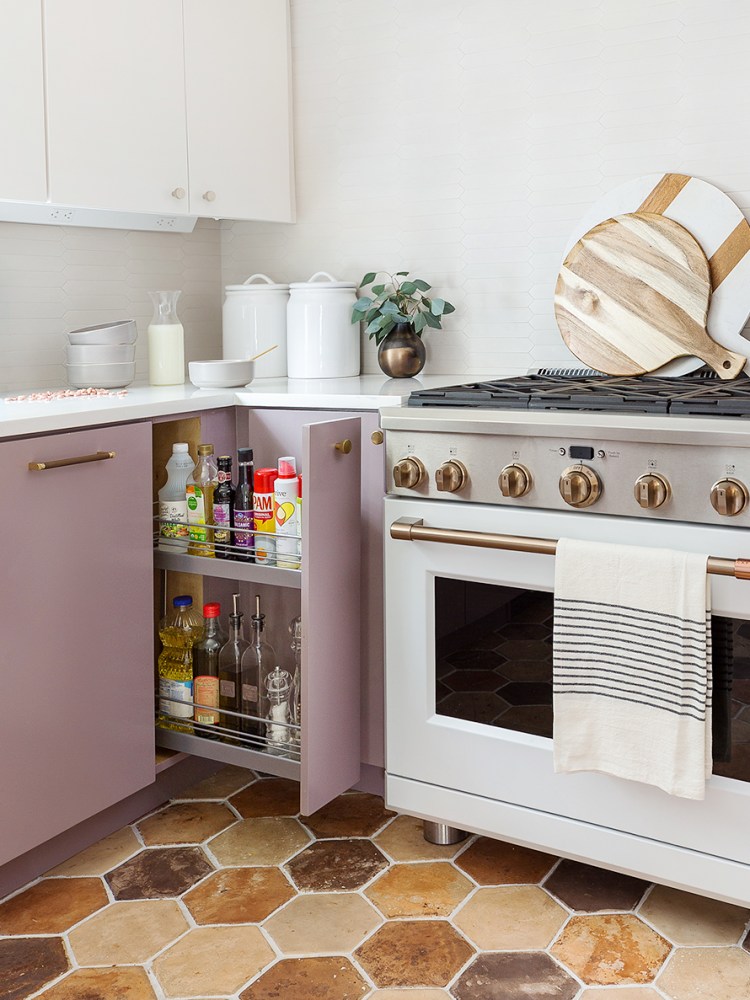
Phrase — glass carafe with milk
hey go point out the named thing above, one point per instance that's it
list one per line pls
(166, 341)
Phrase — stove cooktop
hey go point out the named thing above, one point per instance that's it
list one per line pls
(702, 394)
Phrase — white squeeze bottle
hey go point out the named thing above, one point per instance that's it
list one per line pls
(166, 341)
(172, 499)
(285, 493)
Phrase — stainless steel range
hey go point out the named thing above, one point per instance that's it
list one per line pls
(482, 481)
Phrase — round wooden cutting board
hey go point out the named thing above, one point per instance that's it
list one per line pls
(633, 294)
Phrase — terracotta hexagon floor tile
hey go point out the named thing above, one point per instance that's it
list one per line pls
(330, 865)
(627, 993)
(426, 889)
(212, 960)
(528, 975)
(404, 840)
(322, 923)
(185, 823)
(414, 953)
(611, 949)
(695, 920)
(127, 933)
(238, 896)
(52, 906)
(26, 964)
(264, 841)
(511, 918)
(159, 872)
(588, 888)
(308, 978)
(128, 983)
(102, 856)
(354, 814)
(221, 785)
(409, 995)
(707, 974)
(494, 862)
(269, 797)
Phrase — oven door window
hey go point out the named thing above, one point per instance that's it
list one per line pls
(493, 647)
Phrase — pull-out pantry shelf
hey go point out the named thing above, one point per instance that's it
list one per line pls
(227, 569)
(282, 767)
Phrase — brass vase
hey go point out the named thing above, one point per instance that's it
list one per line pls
(401, 353)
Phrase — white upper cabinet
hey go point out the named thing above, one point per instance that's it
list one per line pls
(115, 105)
(238, 108)
(23, 172)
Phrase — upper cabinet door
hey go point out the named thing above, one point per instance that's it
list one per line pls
(116, 104)
(23, 171)
(237, 71)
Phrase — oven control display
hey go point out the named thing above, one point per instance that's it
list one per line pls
(581, 452)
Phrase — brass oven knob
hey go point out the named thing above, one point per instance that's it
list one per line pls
(451, 476)
(729, 497)
(514, 481)
(408, 473)
(651, 491)
(580, 486)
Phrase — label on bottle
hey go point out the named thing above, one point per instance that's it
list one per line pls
(174, 518)
(243, 519)
(206, 691)
(196, 512)
(250, 693)
(172, 698)
(227, 689)
(223, 477)
(264, 526)
(222, 513)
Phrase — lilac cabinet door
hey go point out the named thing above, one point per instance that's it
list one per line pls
(76, 609)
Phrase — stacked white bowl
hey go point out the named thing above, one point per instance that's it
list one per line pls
(103, 356)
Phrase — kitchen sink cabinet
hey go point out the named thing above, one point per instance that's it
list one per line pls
(77, 733)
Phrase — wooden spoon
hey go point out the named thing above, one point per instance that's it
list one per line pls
(267, 351)
(633, 294)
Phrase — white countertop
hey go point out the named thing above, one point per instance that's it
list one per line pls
(366, 392)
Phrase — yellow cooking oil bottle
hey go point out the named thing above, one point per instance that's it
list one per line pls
(199, 490)
(179, 631)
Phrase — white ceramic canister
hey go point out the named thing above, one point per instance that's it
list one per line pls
(322, 341)
(254, 319)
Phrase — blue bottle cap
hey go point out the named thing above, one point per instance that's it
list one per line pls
(184, 601)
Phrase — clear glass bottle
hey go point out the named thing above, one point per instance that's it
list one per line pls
(295, 630)
(200, 488)
(230, 668)
(166, 341)
(179, 632)
(206, 673)
(258, 661)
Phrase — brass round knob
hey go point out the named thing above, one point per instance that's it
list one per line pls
(514, 481)
(408, 473)
(580, 486)
(729, 497)
(652, 491)
(344, 446)
(451, 476)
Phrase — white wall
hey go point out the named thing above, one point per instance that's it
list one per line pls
(461, 139)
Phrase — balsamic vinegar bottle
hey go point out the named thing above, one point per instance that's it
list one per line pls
(223, 507)
(243, 507)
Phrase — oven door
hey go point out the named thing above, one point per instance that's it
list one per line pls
(469, 692)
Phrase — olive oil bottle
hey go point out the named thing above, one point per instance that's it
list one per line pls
(200, 488)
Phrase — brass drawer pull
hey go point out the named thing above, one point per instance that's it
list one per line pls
(58, 463)
(344, 446)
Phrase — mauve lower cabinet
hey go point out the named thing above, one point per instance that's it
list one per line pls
(77, 650)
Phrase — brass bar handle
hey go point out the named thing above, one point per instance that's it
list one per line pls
(58, 463)
(414, 530)
(344, 446)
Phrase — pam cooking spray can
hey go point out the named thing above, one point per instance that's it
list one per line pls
(265, 546)
(285, 493)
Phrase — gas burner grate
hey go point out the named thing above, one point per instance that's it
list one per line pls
(693, 395)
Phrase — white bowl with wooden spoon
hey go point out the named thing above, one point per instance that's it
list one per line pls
(224, 374)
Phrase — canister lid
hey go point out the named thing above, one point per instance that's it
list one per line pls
(323, 286)
(265, 285)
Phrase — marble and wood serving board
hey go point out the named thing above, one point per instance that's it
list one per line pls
(633, 294)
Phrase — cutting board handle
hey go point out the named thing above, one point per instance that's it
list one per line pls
(726, 364)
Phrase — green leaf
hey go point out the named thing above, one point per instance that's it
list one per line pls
(401, 318)
(401, 274)
(389, 307)
(408, 287)
(374, 326)
(363, 304)
(422, 285)
(383, 333)
(372, 313)
(448, 308)
(437, 307)
(433, 321)
(378, 289)
(370, 276)
(419, 322)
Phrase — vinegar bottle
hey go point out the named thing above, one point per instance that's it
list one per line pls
(223, 508)
(258, 660)
(230, 667)
(173, 498)
(199, 490)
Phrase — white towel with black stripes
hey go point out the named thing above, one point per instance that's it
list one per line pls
(632, 664)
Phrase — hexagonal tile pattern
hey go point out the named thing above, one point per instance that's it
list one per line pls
(228, 781)
(128, 983)
(475, 659)
(589, 888)
(514, 976)
(264, 841)
(52, 906)
(101, 857)
(185, 823)
(127, 933)
(527, 693)
(409, 995)
(269, 797)
(626, 993)
(427, 889)
(238, 896)
(26, 964)
(612, 949)
(707, 974)
(210, 960)
(159, 872)
(688, 919)
(414, 953)
(355, 814)
(510, 918)
(322, 923)
(495, 862)
(403, 840)
(535, 719)
(330, 865)
(319, 978)
(472, 680)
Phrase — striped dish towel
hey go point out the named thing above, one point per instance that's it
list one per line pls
(632, 665)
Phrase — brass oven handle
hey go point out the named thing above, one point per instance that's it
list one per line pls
(409, 529)
(58, 463)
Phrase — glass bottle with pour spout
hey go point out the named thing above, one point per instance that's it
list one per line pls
(230, 669)
(166, 341)
(295, 630)
(257, 662)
